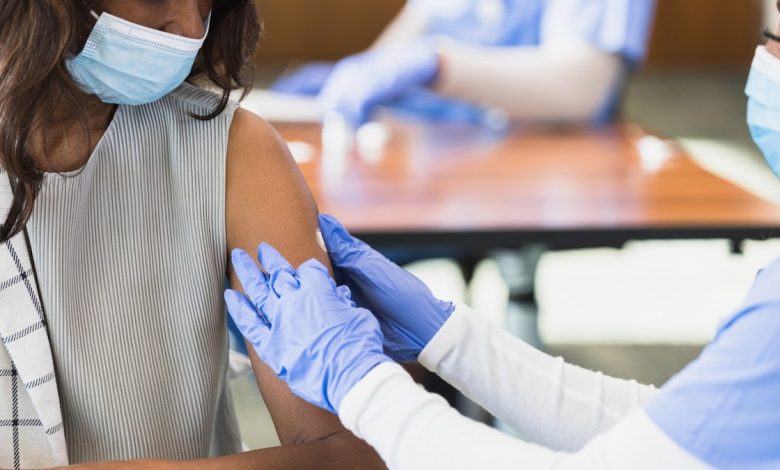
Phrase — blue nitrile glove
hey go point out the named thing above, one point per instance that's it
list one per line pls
(304, 327)
(307, 80)
(363, 81)
(408, 312)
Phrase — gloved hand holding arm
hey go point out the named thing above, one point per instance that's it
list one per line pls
(548, 401)
(408, 312)
(329, 352)
(307, 80)
(304, 327)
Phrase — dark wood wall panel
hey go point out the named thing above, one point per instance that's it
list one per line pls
(321, 29)
(705, 33)
(686, 33)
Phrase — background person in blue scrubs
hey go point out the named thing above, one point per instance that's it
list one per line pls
(461, 60)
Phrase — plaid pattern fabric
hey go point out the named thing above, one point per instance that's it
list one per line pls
(31, 428)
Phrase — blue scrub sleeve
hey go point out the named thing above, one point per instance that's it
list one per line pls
(724, 408)
(496, 23)
(615, 26)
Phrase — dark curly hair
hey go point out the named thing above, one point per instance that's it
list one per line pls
(35, 38)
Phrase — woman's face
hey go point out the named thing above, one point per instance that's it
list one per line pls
(180, 17)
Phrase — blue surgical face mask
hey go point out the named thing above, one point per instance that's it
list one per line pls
(129, 64)
(763, 91)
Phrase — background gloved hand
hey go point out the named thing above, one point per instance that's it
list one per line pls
(304, 327)
(407, 310)
(307, 80)
(361, 82)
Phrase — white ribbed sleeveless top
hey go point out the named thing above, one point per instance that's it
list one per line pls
(131, 258)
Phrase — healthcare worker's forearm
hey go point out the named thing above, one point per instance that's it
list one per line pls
(546, 400)
(408, 25)
(547, 83)
(413, 429)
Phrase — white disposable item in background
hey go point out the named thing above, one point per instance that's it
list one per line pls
(301, 151)
(654, 152)
(282, 107)
(371, 139)
(239, 365)
(320, 240)
(338, 135)
(338, 142)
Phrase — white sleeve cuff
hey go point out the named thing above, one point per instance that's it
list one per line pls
(359, 397)
(449, 338)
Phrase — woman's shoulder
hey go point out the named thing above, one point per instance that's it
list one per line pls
(258, 156)
(267, 198)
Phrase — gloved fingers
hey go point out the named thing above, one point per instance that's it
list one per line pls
(255, 327)
(354, 110)
(345, 294)
(252, 279)
(252, 323)
(282, 274)
(344, 249)
(337, 239)
(315, 273)
(306, 80)
(283, 282)
(347, 93)
(313, 265)
(272, 260)
(351, 109)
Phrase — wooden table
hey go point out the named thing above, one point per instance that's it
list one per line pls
(470, 188)
(463, 193)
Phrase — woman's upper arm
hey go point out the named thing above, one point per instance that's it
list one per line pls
(267, 200)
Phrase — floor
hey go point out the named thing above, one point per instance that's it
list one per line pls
(644, 311)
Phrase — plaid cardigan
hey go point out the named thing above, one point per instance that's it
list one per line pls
(31, 428)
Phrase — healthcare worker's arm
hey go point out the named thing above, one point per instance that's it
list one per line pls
(722, 411)
(569, 66)
(408, 25)
(586, 49)
(413, 429)
(557, 83)
(336, 360)
(547, 83)
(547, 401)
